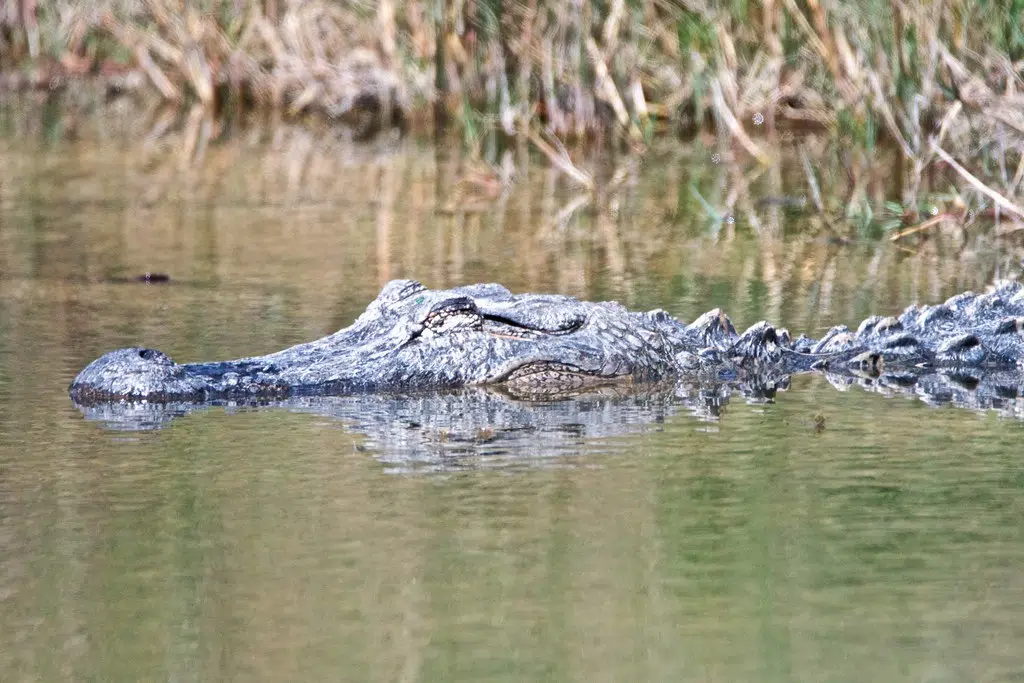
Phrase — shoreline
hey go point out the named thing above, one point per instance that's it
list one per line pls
(943, 88)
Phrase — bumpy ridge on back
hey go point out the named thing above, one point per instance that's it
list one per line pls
(411, 338)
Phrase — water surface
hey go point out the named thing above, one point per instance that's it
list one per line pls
(453, 538)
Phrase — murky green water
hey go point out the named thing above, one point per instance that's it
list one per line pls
(464, 537)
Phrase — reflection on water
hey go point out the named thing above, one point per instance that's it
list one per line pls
(469, 428)
(478, 423)
(827, 535)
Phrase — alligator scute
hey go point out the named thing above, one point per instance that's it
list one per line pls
(411, 338)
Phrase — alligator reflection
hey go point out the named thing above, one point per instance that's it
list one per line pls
(972, 388)
(440, 427)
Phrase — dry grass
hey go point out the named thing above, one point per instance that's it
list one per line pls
(940, 82)
(316, 56)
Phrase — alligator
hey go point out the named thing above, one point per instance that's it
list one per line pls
(411, 338)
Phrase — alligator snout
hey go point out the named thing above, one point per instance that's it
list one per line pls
(132, 372)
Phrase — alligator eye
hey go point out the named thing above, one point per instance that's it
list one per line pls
(420, 299)
(453, 314)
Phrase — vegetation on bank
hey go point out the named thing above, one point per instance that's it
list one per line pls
(941, 81)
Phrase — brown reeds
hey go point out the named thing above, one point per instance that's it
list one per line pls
(316, 56)
(947, 76)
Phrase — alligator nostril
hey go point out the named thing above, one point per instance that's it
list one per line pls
(147, 354)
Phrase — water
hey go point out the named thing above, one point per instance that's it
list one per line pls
(467, 536)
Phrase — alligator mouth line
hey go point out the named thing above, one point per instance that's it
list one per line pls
(569, 327)
(462, 315)
(506, 328)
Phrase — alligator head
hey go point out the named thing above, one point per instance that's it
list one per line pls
(411, 338)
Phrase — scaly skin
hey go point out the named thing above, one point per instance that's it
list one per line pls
(411, 338)
(967, 331)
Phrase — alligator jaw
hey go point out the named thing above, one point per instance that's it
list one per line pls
(546, 380)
